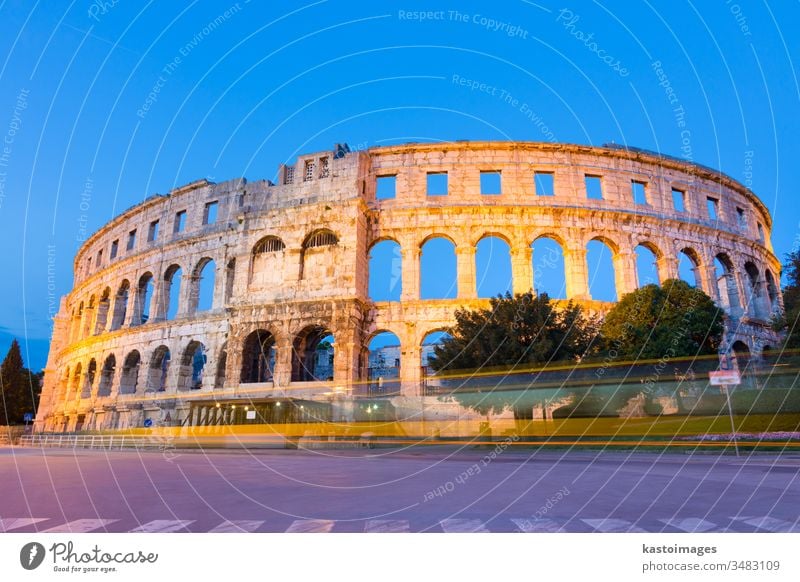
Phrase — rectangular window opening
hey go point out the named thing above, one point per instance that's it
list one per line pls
(491, 182)
(386, 187)
(760, 232)
(712, 204)
(544, 183)
(210, 212)
(99, 260)
(639, 190)
(131, 240)
(114, 249)
(437, 184)
(594, 187)
(741, 218)
(679, 200)
(152, 232)
(180, 221)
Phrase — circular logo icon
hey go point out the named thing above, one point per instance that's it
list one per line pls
(31, 555)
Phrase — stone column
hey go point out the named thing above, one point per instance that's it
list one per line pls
(465, 265)
(667, 268)
(576, 273)
(522, 268)
(625, 276)
(411, 371)
(282, 375)
(88, 321)
(189, 294)
(410, 273)
(102, 315)
(708, 274)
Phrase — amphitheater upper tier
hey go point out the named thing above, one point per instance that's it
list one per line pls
(244, 289)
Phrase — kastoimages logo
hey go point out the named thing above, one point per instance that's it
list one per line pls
(31, 555)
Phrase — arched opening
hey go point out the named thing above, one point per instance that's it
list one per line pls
(103, 307)
(120, 305)
(437, 270)
(87, 328)
(75, 387)
(742, 354)
(222, 363)
(313, 355)
(267, 262)
(258, 357)
(549, 274)
(78, 333)
(493, 267)
(688, 267)
(172, 292)
(107, 376)
(600, 268)
(129, 378)
(205, 275)
(158, 369)
(772, 292)
(317, 258)
(144, 297)
(646, 266)
(726, 284)
(385, 271)
(230, 276)
(755, 294)
(430, 384)
(193, 361)
(383, 369)
(88, 381)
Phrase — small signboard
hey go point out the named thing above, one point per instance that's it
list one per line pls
(27, 417)
(251, 415)
(148, 422)
(725, 378)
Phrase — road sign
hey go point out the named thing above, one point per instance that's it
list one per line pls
(725, 378)
(148, 422)
(27, 417)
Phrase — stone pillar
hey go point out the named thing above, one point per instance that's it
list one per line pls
(411, 370)
(465, 274)
(708, 274)
(625, 276)
(667, 268)
(522, 268)
(88, 321)
(576, 273)
(410, 273)
(189, 294)
(345, 364)
(282, 375)
(102, 315)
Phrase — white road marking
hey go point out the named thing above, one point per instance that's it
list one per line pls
(162, 526)
(311, 526)
(463, 526)
(613, 525)
(239, 525)
(387, 526)
(79, 526)
(530, 525)
(9, 523)
(690, 524)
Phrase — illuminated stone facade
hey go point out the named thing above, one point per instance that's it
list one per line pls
(290, 267)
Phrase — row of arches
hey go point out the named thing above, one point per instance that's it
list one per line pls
(153, 298)
(746, 291)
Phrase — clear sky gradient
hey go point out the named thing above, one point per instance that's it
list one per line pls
(104, 103)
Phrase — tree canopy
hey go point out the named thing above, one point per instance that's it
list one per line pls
(19, 387)
(654, 321)
(516, 330)
(790, 322)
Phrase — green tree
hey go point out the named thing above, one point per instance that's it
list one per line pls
(19, 388)
(790, 322)
(673, 320)
(516, 330)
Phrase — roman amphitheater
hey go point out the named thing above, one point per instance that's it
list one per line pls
(253, 293)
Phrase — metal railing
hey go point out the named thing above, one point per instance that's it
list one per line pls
(96, 441)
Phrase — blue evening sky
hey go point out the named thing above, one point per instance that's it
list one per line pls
(270, 80)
